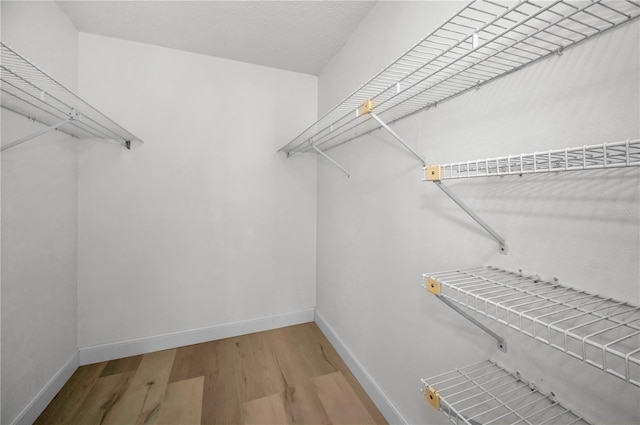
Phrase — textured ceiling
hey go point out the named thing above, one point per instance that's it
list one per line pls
(299, 36)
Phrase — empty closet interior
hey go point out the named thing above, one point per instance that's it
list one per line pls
(453, 197)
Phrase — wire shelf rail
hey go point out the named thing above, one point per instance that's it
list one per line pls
(607, 155)
(486, 393)
(484, 41)
(29, 91)
(600, 331)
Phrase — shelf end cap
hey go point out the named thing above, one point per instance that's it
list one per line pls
(367, 107)
(434, 286)
(433, 397)
(433, 173)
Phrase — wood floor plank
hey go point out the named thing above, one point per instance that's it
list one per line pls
(193, 361)
(126, 364)
(104, 394)
(301, 401)
(232, 372)
(329, 355)
(267, 410)
(182, 404)
(340, 401)
(66, 403)
(209, 360)
(222, 388)
(141, 400)
(259, 374)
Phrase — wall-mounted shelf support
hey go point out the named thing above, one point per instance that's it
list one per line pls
(331, 160)
(28, 91)
(36, 134)
(434, 287)
(503, 248)
(502, 344)
(595, 329)
(398, 138)
(624, 153)
(484, 41)
(487, 393)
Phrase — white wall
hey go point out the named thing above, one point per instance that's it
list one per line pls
(38, 219)
(205, 223)
(381, 229)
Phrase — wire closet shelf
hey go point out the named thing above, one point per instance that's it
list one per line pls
(607, 155)
(485, 393)
(482, 42)
(598, 330)
(29, 91)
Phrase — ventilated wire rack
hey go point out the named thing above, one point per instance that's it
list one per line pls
(485, 393)
(482, 42)
(29, 91)
(607, 155)
(598, 330)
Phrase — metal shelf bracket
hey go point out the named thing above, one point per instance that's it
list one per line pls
(484, 41)
(367, 108)
(331, 160)
(502, 344)
(29, 91)
(487, 393)
(434, 173)
(73, 115)
(433, 286)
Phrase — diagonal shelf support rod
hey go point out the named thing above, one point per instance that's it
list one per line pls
(398, 138)
(503, 243)
(331, 160)
(36, 134)
(502, 344)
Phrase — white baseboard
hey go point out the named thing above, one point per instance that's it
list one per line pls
(376, 394)
(117, 350)
(30, 413)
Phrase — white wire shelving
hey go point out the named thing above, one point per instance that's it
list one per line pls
(484, 41)
(29, 91)
(607, 155)
(486, 393)
(598, 330)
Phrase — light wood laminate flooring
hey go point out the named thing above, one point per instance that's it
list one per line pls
(285, 376)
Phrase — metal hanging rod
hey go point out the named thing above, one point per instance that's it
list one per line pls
(607, 155)
(484, 41)
(29, 91)
(486, 393)
(596, 329)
